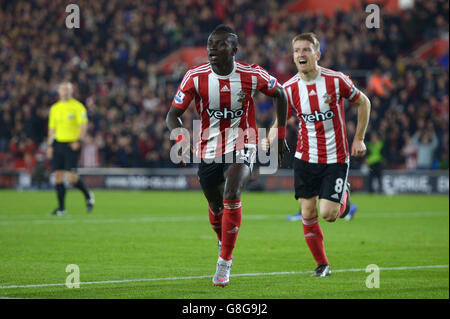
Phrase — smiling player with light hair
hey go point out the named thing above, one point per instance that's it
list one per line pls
(322, 158)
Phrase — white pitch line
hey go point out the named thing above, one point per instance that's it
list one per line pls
(210, 276)
(106, 220)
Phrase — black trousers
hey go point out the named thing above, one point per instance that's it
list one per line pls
(376, 173)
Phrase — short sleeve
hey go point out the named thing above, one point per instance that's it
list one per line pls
(51, 118)
(185, 92)
(82, 114)
(267, 84)
(347, 89)
(290, 106)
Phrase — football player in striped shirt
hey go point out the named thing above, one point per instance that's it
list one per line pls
(222, 90)
(321, 163)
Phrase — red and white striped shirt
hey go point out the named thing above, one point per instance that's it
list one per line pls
(319, 106)
(225, 105)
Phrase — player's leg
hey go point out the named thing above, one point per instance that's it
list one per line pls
(329, 210)
(212, 182)
(335, 192)
(214, 196)
(236, 177)
(58, 173)
(71, 163)
(295, 217)
(371, 179)
(60, 192)
(351, 213)
(307, 178)
(379, 174)
(314, 235)
(78, 183)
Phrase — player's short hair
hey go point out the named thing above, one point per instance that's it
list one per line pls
(224, 28)
(65, 82)
(309, 36)
(227, 29)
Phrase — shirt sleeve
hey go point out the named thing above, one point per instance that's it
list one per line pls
(82, 115)
(347, 89)
(267, 84)
(51, 118)
(185, 93)
(290, 107)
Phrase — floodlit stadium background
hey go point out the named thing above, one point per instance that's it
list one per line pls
(127, 59)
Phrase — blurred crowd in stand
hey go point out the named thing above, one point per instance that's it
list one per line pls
(114, 58)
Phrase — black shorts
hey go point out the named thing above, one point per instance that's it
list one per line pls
(211, 172)
(327, 181)
(64, 158)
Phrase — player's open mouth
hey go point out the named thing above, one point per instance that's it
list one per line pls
(213, 57)
(302, 62)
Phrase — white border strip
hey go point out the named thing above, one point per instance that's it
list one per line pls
(210, 276)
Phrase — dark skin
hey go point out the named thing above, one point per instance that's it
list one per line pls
(222, 48)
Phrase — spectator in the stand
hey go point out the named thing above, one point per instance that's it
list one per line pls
(40, 174)
(409, 151)
(126, 151)
(379, 84)
(5, 130)
(109, 151)
(426, 143)
(374, 160)
(145, 145)
(90, 156)
(443, 163)
(23, 147)
(120, 80)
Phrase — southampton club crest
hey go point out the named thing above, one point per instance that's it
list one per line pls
(329, 98)
(242, 96)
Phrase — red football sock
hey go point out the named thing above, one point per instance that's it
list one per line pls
(231, 222)
(343, 205)
(314, 239)
(215, 218)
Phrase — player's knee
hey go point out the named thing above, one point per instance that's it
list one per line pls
(59, 177)
(231, 194)
(73, 178)
(309, 213)
(215, 206)
(329, 215)
(308, 208)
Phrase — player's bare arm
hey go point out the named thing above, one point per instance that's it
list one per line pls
(281, 105)
(358, 146)
(50, 139)
(173, 118)
(173, 121)
(280, 102)
(77, 144)
(267, 141)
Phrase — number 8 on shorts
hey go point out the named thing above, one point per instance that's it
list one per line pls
(339, 185)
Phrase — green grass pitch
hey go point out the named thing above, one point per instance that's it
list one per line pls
(154, 244)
